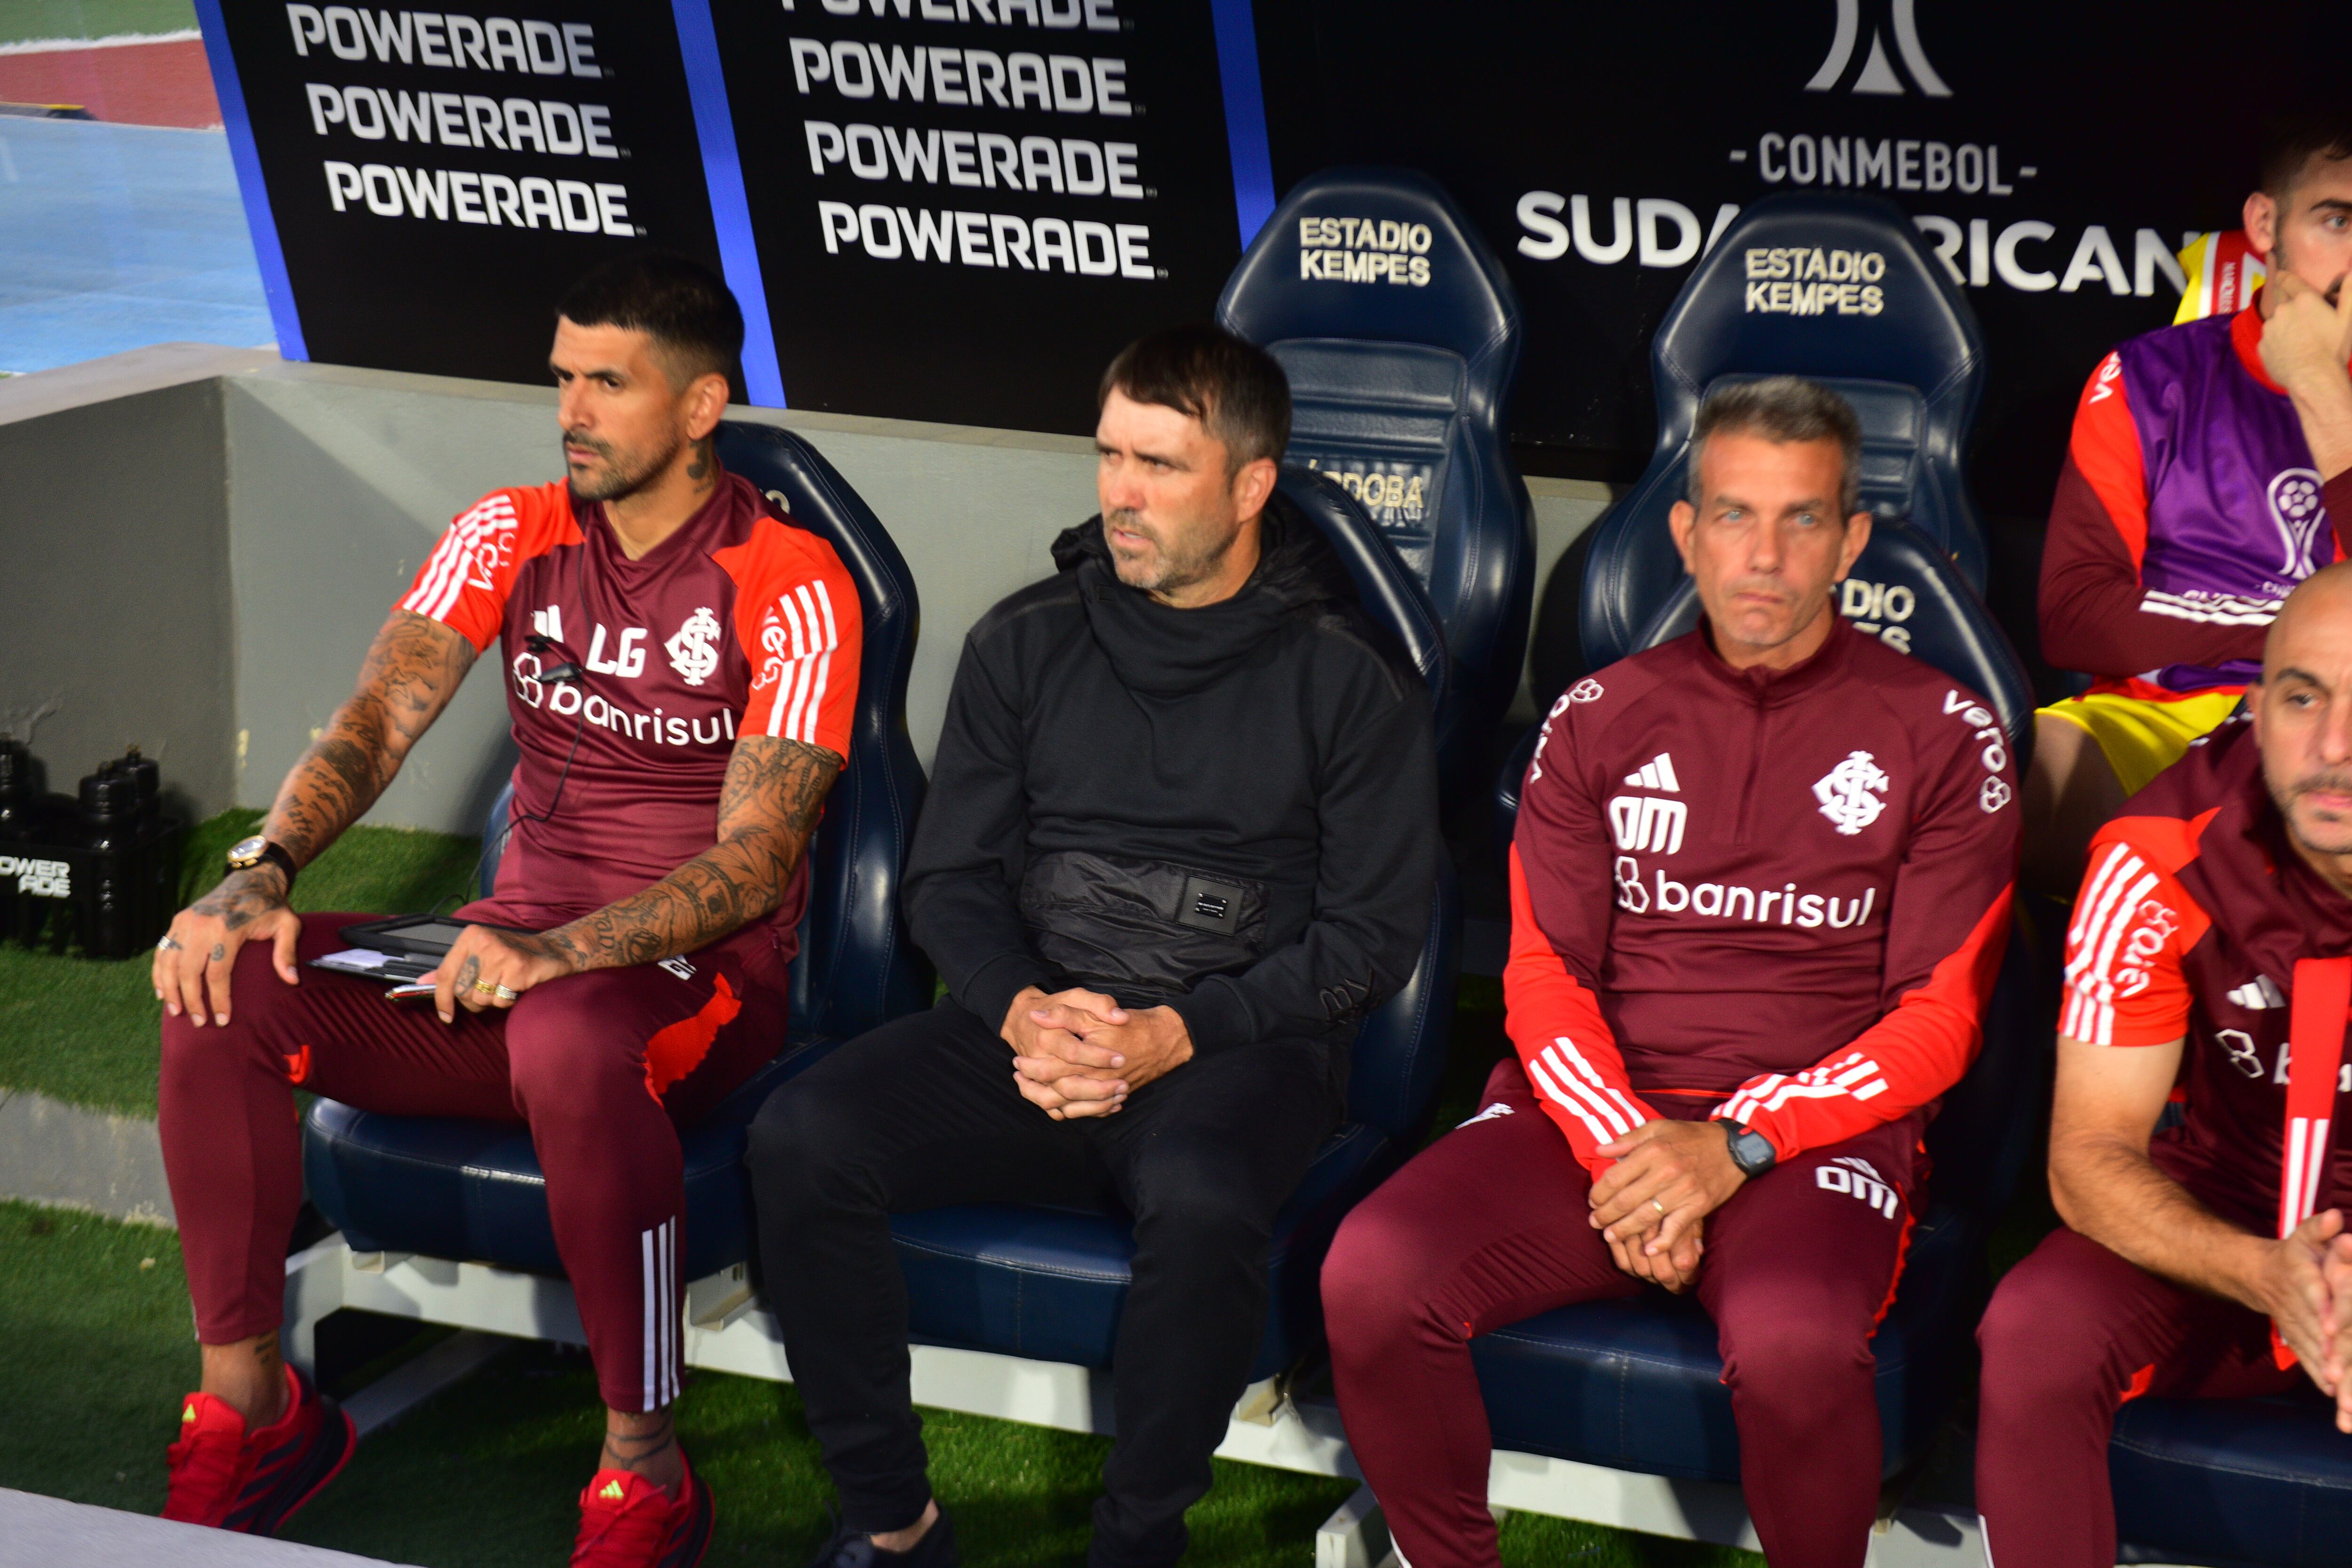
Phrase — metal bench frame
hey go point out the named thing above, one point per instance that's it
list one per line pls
(728, 1330)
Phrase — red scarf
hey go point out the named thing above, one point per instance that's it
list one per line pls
(2323, 999)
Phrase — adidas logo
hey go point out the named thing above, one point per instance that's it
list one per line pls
(612, 1493)
(2258, 994)
(1656, 774)
(187, 1414)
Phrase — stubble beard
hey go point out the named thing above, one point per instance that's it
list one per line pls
(622, 474)
(2282, 260)
(1794, 622)
(2285, 795)
(1173, 571)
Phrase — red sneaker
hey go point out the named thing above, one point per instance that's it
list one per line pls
(224, 1477)
(626, 1521)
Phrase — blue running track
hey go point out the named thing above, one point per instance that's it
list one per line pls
(116, 237)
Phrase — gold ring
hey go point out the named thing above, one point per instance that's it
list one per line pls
(1657, 1206)
(484, 987)
(507, 994)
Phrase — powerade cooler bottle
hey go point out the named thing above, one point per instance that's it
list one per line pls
(108, 895)
(15, 827)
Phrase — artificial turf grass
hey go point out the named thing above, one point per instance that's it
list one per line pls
(487, 1475)
(83, 1030)
(99, 1347)
(1020, 1494)
(26, 19)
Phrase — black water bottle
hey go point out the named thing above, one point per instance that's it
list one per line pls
(150, 779)
(107, 895)
(16, 795)
(17, 799)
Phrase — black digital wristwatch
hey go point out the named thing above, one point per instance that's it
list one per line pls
(1751, 1151)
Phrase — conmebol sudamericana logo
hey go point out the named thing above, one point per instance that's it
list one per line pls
(1877, 71)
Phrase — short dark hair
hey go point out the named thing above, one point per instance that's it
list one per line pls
(1783, 409)
(696, 326)
(1232, 386)
(2292, 140)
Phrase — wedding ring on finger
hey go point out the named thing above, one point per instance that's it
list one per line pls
(506, 993)
(485, 988)
(1657, 1206)
(167, 945)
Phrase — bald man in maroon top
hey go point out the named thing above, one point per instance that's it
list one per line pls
(1760, 888)
(2207, 962)
(681, 666)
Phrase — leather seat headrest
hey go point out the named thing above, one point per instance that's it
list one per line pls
(1837, 288)
(1378, 255)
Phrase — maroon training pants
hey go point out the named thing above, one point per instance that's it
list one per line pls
(2072, 1334)
(1490, 1225)
(603, 1066)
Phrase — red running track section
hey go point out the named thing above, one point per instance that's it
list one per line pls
(130, 84)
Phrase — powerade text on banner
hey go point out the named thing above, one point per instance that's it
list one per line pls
(438, 178)
(964, 208)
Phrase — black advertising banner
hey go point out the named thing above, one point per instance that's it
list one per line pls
(958, 210)
(964, 207)
(2056, 162)
(438, 179)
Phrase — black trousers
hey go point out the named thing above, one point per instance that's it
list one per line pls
(923, 1112)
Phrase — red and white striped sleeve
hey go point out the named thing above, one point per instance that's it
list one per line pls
(2133, 926)
(1562, 895)
(463, 583)
(798, 620)
(1946, 930)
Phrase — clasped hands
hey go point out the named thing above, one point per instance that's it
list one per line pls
(2307, 1287)
(1651, 1207)
(1078, 1052)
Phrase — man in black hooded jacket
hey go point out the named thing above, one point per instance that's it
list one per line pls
(1182, 836)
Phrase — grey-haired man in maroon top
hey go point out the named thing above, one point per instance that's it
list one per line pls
(1760, 885)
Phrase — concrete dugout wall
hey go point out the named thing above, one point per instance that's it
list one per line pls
(203, 540)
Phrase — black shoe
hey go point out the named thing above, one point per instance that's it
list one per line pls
(856, 1549)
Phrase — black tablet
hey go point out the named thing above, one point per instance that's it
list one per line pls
(422, 936)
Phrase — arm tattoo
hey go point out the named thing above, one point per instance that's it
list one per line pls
(767, 808)
(411, 672)
(244, 897)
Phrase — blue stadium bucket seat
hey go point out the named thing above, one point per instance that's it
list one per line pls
(1635, 1386)
(2232, 1481)
(454, 1188)
(1834, 287)
(1400, 332)
(1048, 1283)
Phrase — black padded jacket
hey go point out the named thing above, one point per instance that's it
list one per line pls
(1231, 810)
